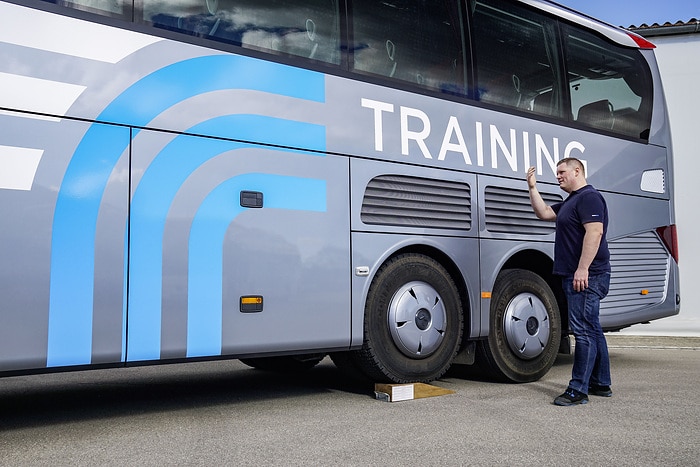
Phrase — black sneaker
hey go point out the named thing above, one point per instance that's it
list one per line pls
(571, 397)
(602, 391)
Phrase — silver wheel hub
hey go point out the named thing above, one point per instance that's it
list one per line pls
(526, 326)
(417, 319)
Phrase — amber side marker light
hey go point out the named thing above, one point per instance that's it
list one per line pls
(251, 304)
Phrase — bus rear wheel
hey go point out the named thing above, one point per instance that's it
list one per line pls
(525, 328)
(413, 322)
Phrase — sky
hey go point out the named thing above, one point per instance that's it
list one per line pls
(636, 12)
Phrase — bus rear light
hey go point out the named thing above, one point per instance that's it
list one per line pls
(644, 292)
(669, 236)
(641, 42)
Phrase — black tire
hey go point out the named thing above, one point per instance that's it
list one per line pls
(413, 322)
(525, 328)
(285, 363)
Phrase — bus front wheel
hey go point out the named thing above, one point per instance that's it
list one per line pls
(525, 328)
(413, 321)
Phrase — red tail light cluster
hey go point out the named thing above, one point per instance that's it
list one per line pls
(670, 238)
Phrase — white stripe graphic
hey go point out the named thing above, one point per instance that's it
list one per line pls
(54, 33)
(37, 95)
(18, 167)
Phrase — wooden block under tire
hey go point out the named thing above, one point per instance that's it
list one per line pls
(410, 391)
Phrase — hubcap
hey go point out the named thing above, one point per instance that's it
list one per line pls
(526, 326)
(417, 319)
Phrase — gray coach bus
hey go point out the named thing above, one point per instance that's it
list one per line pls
(281, 180)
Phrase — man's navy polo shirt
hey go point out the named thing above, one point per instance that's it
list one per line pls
(580, 207)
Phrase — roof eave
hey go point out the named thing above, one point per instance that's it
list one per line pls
(667, 29)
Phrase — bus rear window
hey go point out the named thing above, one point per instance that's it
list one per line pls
(306, 28)
(610, 85)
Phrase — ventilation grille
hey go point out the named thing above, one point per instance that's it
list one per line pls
(638, 263)
(508, 210)
(653, 181)
(417, 202)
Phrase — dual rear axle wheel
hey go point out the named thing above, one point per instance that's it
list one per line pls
(414, 324)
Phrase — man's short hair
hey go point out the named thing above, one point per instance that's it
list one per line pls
(573, 162)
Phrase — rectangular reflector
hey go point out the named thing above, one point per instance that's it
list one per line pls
(251, 304)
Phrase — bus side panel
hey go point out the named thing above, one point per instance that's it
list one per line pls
(213, 221)
(62, 243)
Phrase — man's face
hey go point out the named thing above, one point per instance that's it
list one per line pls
(567, 177)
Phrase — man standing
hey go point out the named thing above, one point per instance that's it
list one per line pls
(582, 259)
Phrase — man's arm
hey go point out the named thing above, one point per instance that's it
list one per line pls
(542, 210)
(591, 243)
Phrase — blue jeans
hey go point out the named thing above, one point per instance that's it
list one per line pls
(591, 361)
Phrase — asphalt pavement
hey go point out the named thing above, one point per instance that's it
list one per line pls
(224, 413)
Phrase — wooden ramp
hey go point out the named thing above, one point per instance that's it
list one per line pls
(407, 392)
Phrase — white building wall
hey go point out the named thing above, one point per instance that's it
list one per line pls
(679, 63)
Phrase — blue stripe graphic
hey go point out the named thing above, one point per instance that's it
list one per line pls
(73, 248)
(153, 198)
(175, 83)
(78, 203)
(220, 208)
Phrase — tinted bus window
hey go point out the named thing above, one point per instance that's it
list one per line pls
(611, 87)
(308, 28)
(419, 42)
(118, 8)
(516, 57)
